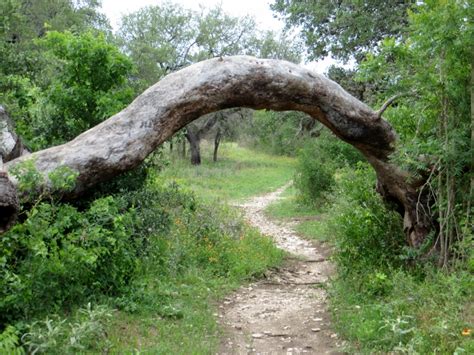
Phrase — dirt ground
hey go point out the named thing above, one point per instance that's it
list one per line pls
(286, 312)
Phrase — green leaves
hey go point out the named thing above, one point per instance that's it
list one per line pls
(345, 29)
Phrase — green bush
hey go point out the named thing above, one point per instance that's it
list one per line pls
(314, 172)
(367, 235)
(318, 161)
(59, 256)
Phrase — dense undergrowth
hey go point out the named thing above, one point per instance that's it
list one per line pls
(385, 297)
(102, 274)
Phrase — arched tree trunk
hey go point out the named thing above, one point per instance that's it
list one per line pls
(124, 140)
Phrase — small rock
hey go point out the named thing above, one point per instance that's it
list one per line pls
(257, 335)
(315, 330)
(317, 319)
(334, 335)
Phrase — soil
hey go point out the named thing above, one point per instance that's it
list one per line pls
(286, 312)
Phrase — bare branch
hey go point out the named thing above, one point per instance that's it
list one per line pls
(390, 101)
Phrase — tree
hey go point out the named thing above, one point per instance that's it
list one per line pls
(433, 67)
(158, 39)
(345, 28)
(161, 39)
(88, 85)
(195, 132)
(124, 140)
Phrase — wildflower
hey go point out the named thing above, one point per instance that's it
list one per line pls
(466, 332)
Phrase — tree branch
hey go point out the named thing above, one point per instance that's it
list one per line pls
(390, 101)
(124, 140)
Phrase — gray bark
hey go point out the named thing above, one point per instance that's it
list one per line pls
(11, 147)
(124, 140)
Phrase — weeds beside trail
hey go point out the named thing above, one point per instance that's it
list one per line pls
(143, 267)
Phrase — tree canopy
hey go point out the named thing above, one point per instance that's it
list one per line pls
(344, 29)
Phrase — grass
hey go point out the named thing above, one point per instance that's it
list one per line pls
(176, 313)
(238, 174)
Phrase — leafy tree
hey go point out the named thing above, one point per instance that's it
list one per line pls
(158, 39)
(345, 28)
(434, 63)
(163, 38)
(26, 69)
(85, 85)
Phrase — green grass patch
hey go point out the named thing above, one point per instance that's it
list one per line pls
(238, 174)
(412, 316)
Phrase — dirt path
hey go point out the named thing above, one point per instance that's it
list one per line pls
(285, 313)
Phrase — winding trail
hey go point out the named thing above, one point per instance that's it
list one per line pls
(285, 313)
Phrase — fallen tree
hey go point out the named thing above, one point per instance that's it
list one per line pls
(124, 140)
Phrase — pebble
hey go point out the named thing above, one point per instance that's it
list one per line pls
(257, 335)
(315, 330)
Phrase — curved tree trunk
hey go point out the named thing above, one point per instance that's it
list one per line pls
(124, 140)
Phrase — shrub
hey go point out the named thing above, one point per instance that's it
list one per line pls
(318, 161)
(368, 236)
(58, 245)
(314, 173)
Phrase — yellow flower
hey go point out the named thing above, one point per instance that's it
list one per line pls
(466, 331)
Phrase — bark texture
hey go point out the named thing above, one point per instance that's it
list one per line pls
(11, 147)
(124, 140)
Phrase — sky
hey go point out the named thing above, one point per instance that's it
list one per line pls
(259, 9)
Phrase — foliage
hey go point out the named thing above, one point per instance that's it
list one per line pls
(344, 29)
(163, 38)
(10, 341)
(24, 64)
(434, 123)
(88, 86)
(158, 39)
(314, 174)
(58, 245)
(317, 162)
(274, 132)
(79, 333)
(366, 234)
